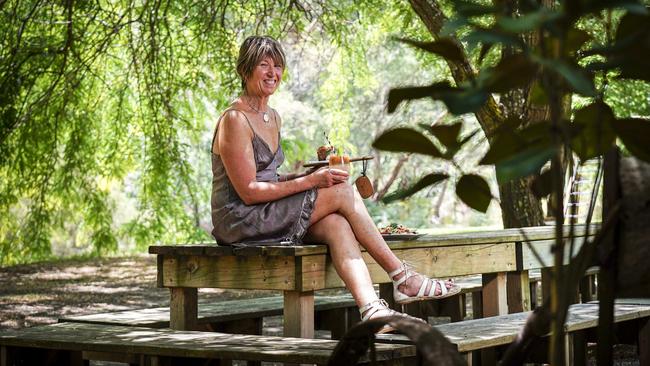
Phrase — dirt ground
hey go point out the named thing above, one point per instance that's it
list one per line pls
(41, 293)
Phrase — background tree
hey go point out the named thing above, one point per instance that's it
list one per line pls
(566, 60)
(107, 112)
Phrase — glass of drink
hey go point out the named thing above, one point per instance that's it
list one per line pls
(339, 161)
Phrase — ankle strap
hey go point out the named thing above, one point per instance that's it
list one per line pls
(406, 269)
(376, 305)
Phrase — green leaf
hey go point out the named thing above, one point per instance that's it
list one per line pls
(460, 101)
(635, 135)
(493, 36)
(574, 75)
(515, 71)
(451, 26)
(474, 191)
(508, 140)
(528, 22)
(576, 38)
(523, 163)
(485, 48)
(445, 47)
(538, 95)
(632, 48)
(428, 180)
(470, 9)
(447, 134)
(595, 135)
(457, 100)
(397, 95)
(542, 184)
(406, 140)
(576, 9)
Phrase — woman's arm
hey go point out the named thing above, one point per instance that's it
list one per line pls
(234, 146)
(292, 176)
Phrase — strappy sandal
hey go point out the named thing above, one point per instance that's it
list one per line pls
(370, 309)
(402, 298)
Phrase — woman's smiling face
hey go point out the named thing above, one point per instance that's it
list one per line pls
(265, 78)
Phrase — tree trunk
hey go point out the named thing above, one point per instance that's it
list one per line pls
(519, 206)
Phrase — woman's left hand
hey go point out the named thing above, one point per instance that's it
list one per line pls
(326, 177)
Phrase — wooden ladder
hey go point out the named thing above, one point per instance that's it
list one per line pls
(581, 184)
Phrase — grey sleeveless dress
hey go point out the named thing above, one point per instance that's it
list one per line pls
(282, 221)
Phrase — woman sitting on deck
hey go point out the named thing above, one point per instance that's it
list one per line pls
(252, 204)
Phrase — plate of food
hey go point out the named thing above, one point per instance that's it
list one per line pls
(398, 232)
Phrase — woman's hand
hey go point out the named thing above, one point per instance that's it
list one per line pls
(326, 177)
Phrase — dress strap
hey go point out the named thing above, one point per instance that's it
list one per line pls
(216, 129)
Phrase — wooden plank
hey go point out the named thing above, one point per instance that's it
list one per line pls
(518, 291)
(183, 308)
(543, 249)
(261, 273)
(212, 312)
(310, 272)
(425, 241)
(299, 314)
(495, 301)
(441, 262)
(174, 343)
(470, 335)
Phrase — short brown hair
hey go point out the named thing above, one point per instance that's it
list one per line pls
(253, 50)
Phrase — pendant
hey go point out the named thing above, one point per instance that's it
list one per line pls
(265, 117)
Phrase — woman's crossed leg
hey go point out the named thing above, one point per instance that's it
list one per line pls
(341, 220)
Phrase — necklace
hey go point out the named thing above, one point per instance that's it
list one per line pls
(265, 115)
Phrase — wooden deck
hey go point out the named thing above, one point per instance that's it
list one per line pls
(152, 344)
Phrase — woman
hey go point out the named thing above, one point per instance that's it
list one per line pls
(254, 205)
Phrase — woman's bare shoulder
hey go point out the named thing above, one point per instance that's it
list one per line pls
(234, 120)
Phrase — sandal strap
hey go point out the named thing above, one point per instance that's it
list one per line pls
(404, 268)
(423, 287)
(373, 307)
(432, 290)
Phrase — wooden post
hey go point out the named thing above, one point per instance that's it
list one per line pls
(607, 261)
(644, 342)
(495, 301)
(575, 348)
(299, 314)
(477, 304)
(454, 307)
(547, 275)
(518, 290)
(183, 308)
(533, 295)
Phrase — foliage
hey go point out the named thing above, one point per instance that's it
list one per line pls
(114, 96)
(566, 60)
(107, 111)
(515, 151)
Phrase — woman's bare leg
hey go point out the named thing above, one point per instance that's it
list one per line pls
(343, 199)
(335, 231)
